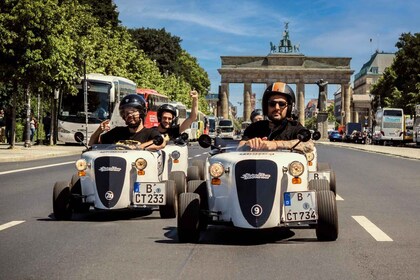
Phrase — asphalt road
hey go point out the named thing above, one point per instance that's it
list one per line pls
(378, 208)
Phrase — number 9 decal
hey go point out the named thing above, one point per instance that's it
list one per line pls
(256, 210)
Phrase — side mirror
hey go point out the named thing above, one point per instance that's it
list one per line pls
(79, 137)
(184, 136)
(304, 135)
(316, 135)
(158, 140)
(204, 140)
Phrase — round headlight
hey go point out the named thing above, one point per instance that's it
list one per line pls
(140, 163)
(296, 168)
(175, 155)
(216, 170)
(310, 156)
(81, 164)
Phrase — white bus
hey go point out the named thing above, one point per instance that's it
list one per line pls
(104, 95)
(390, 126)
(225, 129)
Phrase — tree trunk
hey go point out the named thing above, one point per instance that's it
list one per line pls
(13, 129)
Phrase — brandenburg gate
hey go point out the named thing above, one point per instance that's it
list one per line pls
(285, 66)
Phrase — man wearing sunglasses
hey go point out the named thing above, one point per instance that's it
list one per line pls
(133, 110)
(279, 130)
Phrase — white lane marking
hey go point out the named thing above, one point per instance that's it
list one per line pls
(10, 224)
(337, 197)
(36, 167)
(371, 228)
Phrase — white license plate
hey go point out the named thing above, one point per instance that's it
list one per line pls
(300, 206)
(319, 175)
(149, 193)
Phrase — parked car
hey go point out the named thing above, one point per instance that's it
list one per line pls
(335, 136)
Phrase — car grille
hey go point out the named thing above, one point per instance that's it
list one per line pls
(256, 187)
(109, 177)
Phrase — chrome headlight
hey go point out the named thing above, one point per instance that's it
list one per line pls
(140, 163)
(310, 156)
(216, 170)
(175, 155)
(81, 164)
(296, 168)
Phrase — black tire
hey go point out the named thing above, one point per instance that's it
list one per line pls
(188, 218)
(169, 210)
(322, 166)
(76, 199)
(201, 167)
(199, 187)
(327, 226)
(333, 186)
(180, 181)
(193, 173)
(319, 185)
(62, 201)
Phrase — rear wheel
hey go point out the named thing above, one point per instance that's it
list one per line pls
(180, 181)
(193, 173)
(322, 166)
(333, 187)
(327, 226)
(61, 201)
(168, 211)
(201, 166)
(188, 217)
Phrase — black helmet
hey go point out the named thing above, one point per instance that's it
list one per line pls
(167, 108)
(133, 101)
(256, 112)
(279, 88)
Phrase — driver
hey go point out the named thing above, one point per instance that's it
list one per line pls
(133, 110)
(168, 121)
(279, 130)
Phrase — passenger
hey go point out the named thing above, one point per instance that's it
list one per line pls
(279, 131)
(133, 110)
(168, 121)
(256, 115)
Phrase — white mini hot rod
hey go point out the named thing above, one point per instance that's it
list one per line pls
(257, 190)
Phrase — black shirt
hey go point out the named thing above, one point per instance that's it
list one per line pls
(121, 133)
(172, 132)
(287, 130)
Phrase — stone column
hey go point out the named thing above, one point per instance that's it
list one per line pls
(300, 91)
(346, 97)
(247, 101)
(224, 100)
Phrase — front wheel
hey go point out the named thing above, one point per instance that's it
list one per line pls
(327, 226)
(61, 201)
(188, 218)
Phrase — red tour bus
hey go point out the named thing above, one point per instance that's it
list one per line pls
(153, 101)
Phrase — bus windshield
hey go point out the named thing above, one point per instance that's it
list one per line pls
(72, 106)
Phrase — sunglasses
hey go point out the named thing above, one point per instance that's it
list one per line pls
(273, 103)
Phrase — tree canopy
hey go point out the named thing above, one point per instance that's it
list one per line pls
(400, 84)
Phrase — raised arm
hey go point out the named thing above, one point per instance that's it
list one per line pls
(194, 112)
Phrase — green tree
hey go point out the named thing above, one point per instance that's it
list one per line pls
(105, 11)
(160, 46)
(399, 85)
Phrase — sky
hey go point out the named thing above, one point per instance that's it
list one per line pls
(210, 29)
